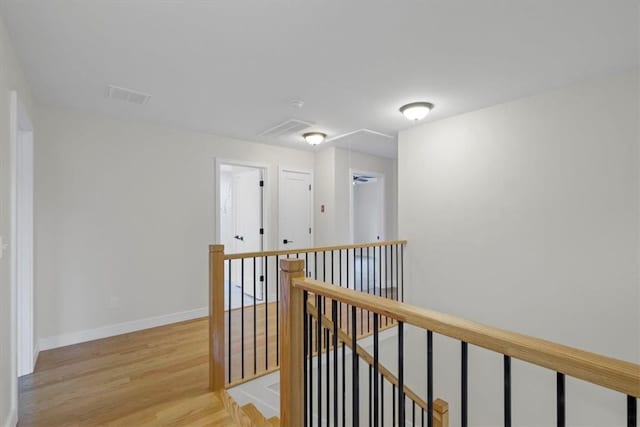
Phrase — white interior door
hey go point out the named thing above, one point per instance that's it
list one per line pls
(295, 214)
(24, 251)
(247, 212)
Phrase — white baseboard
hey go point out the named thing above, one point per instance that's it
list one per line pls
(12, 418)
(48, 343)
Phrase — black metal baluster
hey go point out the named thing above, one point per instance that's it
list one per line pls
(391, 270)
(374, 273)
(368, 291)
(319, 354)
(310, 368)
(344, 386)
(229, 325)
(305, 327)
(315, 265)
(340, 283)
(632, 411)
(328, 396)
(429, 379)
(334, 315)
(326, 338)
(398, 270)
(386, 271)
(332, 281)
(355, 274)
(507, 391)
(393, 404)
(370, 397)
(346, 258)
(413, 411)
(242, 316)
(324, 266)
(402, 266)
(381, 400)
(278, 312)
(560, 399)
(401, 406)
(422, 417)
(375, 369)
(255, 323)
(463, 410)
(361, 289)
(266, 314)
(355, 401)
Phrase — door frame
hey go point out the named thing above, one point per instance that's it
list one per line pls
(382, 179)
(281, 170)
(23, 342)
(266, 197)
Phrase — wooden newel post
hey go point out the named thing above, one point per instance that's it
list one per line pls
(216, 317)
(441, 409)
(292, 345)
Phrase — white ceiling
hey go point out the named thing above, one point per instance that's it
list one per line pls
(232, 67)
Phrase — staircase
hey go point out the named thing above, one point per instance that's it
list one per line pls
(247, 415)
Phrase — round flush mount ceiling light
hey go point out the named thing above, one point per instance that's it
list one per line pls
(314, 138)
(416, 110)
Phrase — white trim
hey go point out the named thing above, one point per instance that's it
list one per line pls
(24, 247)
(381, 176)
(12, 418)
(282, 169)
(13, 135)
(120, 328)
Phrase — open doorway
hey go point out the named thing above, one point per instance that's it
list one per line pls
(240, 226)
(367, 220)
(367, 207)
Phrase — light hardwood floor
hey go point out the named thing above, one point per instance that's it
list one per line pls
(156, 377)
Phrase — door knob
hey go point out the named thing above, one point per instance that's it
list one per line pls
(238, 237)
(285, 241)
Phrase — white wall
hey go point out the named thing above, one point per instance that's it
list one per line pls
(324, 178)
(333, 187)
(11, 78)
(125, 214)
(526, 216)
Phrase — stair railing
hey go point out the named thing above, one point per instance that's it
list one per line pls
(297, 314)
(245, 306)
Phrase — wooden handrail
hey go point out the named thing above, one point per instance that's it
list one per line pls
(440, 407)
(604, 371)
(311, 250)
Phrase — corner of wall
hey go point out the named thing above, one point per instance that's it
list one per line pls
(12, 418)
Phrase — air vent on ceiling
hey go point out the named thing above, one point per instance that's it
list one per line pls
(128, 95)
(286, 127)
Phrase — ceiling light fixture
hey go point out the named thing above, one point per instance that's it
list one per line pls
(416, 110)
(314, 138)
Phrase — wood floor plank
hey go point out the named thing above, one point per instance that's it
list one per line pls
(156, 377)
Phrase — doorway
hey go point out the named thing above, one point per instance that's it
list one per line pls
(367, 217)
(295, 209)
(367, 207)
(22, 244)
(241, 226)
